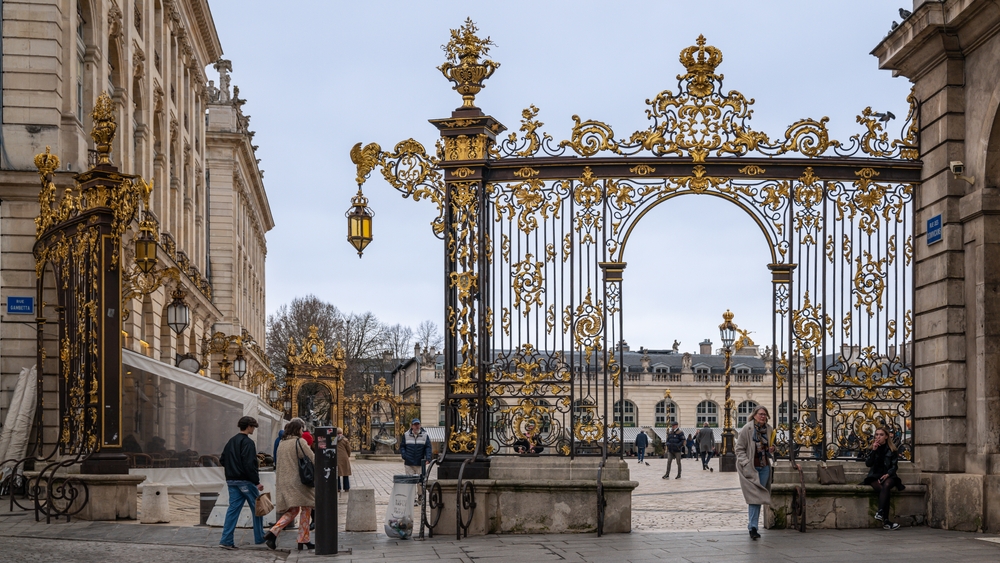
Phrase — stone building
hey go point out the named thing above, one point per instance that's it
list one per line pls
(949, 49)
(661, 386)
(175, 128)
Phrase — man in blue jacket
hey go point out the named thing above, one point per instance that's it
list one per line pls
(675, 449)
(641, 443)
(415, 448)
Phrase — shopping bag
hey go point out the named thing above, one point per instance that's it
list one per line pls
(264, 505)
(831, 475)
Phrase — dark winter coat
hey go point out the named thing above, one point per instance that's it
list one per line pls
(706, 440)
(675, 441)
(881, 461)
(415, 449)
(641, 440)
(239, 458)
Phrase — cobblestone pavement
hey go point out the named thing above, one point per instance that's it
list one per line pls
(699, 500)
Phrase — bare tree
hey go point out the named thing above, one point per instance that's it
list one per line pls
(294, 320)
(429, 336)
(398, 339)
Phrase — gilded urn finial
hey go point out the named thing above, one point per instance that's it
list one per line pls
(700, 61)
(104, 127)
(463, 66)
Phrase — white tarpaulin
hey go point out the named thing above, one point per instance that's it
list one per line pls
(176, 423)
(14, 437)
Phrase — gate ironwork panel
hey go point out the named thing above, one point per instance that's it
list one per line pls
(535, 233)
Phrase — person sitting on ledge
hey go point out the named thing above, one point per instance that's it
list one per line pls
(882, 459)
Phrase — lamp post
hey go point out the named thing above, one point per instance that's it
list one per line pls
(727, 330)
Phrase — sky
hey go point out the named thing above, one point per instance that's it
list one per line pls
(320, 76)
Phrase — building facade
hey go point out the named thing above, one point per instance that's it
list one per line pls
(175, 129)
(949, 49)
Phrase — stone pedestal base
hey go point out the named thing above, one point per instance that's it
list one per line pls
(360, 511)
(846, 506)
(955, 501)
(109, 497)
(543, 495)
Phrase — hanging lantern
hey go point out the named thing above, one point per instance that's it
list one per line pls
(178, 312)
(145, 247)
(359, 222)
(240, 364)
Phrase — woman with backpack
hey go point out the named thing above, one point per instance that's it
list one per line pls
(293, 497)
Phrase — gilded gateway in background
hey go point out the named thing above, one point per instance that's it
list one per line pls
(535, 233)
(316, 379)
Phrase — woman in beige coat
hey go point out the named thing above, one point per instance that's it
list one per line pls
(754, 447)
(293, 498)
(343, 460)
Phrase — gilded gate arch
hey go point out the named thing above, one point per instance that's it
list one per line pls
(308, 362)
(535, 231)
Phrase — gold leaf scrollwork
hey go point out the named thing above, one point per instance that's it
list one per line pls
(907, 325)
(366, 159)
(642, 170)
(528, 126)
(810, 324)
(463, 172)
(699, 181)
(847, 325)
(528, 283)
(590, 137)
(752, 170)
(589, 325)
(869, 282)
(809, 137)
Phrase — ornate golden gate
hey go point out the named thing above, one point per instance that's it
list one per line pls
(311, 373)
(535, 233)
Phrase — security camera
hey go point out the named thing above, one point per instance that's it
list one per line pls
(958, 169)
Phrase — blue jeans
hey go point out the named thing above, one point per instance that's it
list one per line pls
(642, 454)
(240, 492)
(754, 509)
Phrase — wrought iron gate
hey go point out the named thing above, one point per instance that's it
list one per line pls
(535, 234)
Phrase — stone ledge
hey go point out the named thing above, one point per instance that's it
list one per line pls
(815, 489)
(109, 497)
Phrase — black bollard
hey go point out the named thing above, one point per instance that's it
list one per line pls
(326, 490)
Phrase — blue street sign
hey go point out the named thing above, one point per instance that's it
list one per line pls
(20, 305)
(934, 229)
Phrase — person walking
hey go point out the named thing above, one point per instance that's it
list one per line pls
(641, 443)
(343, 461)
(675, 449)
(706, 444)
(883, 460)
(754, 447)
(691, 446)
(416, 451)
(293, 497)
(239, 461)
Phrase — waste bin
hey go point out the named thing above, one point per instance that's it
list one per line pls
(399, 513)
(208, 501)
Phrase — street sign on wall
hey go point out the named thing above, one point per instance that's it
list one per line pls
(20, 305)
(934, 229)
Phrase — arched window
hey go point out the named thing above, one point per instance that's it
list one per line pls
(783, 412)
(625, 414)
(666, 413)
(708, 412)
(584, 410)
(743, 413)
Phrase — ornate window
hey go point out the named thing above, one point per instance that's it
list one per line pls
(708, 412)
(743, 413)
(666, 413)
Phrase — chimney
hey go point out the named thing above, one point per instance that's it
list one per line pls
(624, 346)
(416, 350)
(705, 347)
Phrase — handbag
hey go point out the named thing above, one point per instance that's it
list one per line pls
(264, 505)
(831, 475)
(307, 472)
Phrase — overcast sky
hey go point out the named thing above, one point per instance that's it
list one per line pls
(320, 76)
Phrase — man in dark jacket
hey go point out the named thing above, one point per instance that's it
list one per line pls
(675, 449)
(239, 459)
(706, 445)
(416, 450)
(641, 442)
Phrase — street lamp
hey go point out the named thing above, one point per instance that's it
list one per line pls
(178, 313)
(727, 331)
(359, 222)
(240, 364)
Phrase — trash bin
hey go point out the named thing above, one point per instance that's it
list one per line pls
(399, 513)
(208, 501)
